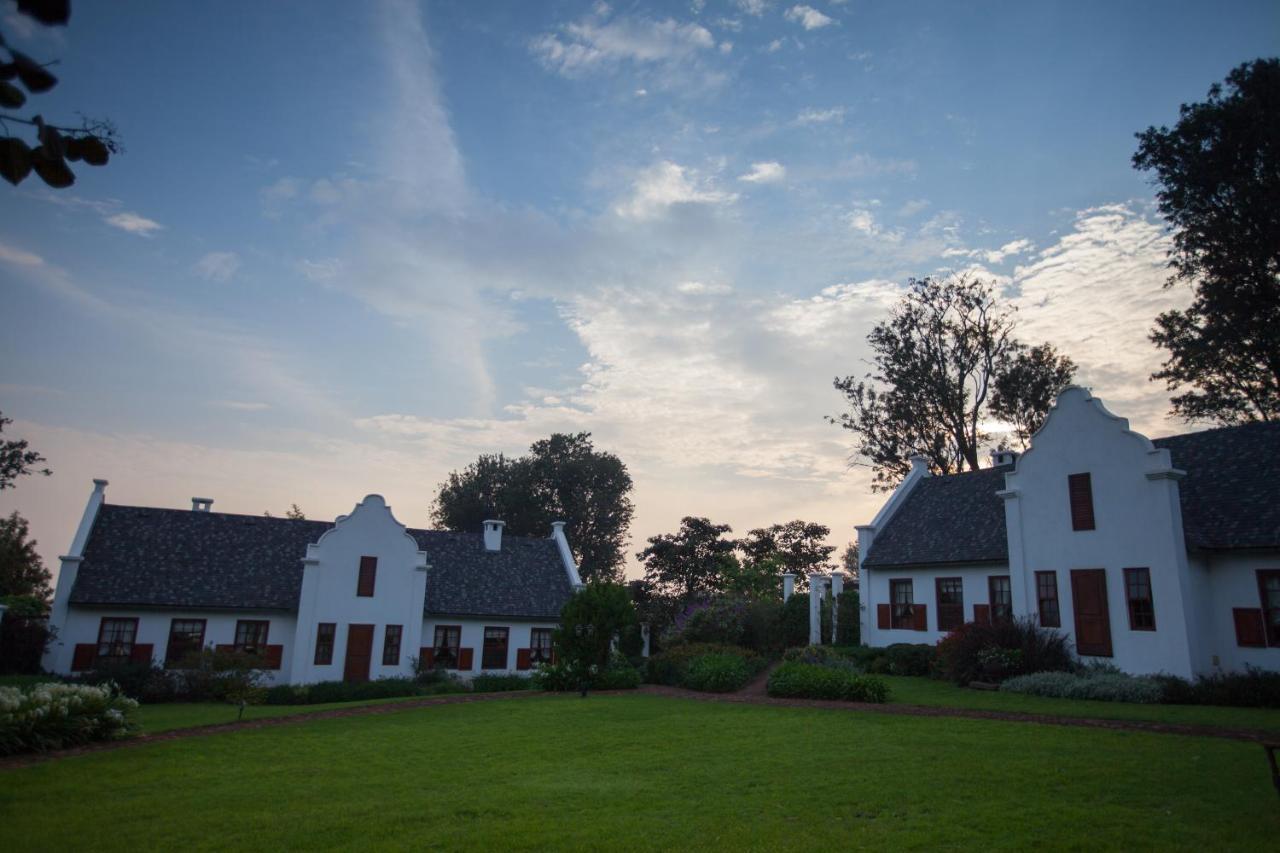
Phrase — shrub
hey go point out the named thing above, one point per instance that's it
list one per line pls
(1253, 688)
(618, 675)
(911, 658)
(55, 716)
(24, 634)
(1100, 686)
(134, 679)
(215, 675)
(670, 666)
(500, 683)
(722, 620)
(848, 624)
(762, 627)
(960, 655)
(590, 620)
(813, 681)
(559, 677)
(823, 655)
(795, 621)
(717, 673)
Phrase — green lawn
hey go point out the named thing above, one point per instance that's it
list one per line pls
(929, 691)
(647, 772)
(185, 715)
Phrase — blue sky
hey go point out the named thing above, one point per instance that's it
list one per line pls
(351, 246)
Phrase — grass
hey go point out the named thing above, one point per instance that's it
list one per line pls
(932, 692)
(184, 715)
(647, 772)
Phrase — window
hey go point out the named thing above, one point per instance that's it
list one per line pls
(495, 648)
(115, 639)
(1000, 594)
(950, 603)
(1080, 488)
(368, 574)
(324, 643)
(1137, 590)
(1047, 599)
(186, 638)
(900, 595)
(448, 641)
(391, 646)
(540, 646)
(251, 636)
(1269, 591)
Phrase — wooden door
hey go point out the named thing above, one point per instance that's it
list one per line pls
(1093, 620)
(359, 653)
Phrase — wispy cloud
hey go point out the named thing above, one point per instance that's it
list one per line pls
(21, 257)
(217, 266)
(667, 184)
(808, 17)
(134, 223)
(813, 116)
(768, 172)
(240, 405)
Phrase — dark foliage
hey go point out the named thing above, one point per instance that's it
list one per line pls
(671, 667)
(1218, 177)
(1253, 688)
(796, 547)
(722, 673)
(22, 572)
(691, 563)
(815, 681)
(795, 621)
(848, 624)
(975, 652)
(92, 143)
(590, 621)
(563, 478)
(1027, 386)
(23, 640)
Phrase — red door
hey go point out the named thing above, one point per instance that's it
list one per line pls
(1093, 620)
(359, 653)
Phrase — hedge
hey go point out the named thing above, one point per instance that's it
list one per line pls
(814, 681)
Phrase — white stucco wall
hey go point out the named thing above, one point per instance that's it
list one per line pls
(1234, 583)
(82, 623)
(924, 590)
(1138, 524)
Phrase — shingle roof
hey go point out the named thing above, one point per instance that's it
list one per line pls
(1230, 499)
(143, 556)
(952, 519)
(1231, 494)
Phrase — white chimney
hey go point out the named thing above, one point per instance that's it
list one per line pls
(493, 535)
(1003, 457)
(201, 504)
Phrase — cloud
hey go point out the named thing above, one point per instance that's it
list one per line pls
(812, 116)
(992, 256)
(769, 172)
(912, 207)
(21, 257)
(700, 288)
(217, 266)
(321, 270)
(596, 42)
(808, 17)
(752, 7)
(134, 223)
(667, 184)
(240, 405)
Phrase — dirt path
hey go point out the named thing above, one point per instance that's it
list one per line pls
(754, 694)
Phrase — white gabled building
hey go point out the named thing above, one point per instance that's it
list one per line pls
(1158, 556)
(352, 599)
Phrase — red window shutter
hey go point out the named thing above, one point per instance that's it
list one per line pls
(84, 656)
(523, 659)
(225, 647)
(426, 657)
(142, 652)
(919, 617)
(272, 657)
(982, 614)
(1250, 630)
(465, 659)
(1080, 487)
(884, 616)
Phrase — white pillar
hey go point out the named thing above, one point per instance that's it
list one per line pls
(837, 587)
(644, 635)
(788, 586)
(817, 588)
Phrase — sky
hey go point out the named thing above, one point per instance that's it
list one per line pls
(351, 246)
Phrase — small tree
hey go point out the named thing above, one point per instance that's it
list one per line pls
(589, 623)
(22, 572)
(1027, 387)
(796, 547)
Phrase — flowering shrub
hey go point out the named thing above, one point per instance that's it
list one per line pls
(966, 653)
(814, 681)
(671, 666)
(1101, 686)
(56, 716)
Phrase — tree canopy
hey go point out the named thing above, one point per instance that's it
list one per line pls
(1027, 387)
(1218, 177)
(562, 478)
(938, 359)
(17, 459)
(22, 572)
(691, 562)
